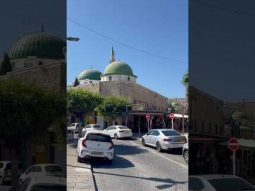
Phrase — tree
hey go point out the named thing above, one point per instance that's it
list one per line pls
(26, 110)
(185, 81)
(113, 107)
(5, 65)
(81, 101)
(76, 82)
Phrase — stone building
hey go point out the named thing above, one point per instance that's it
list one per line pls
(118, 79)
(211, 128)
(38, 57)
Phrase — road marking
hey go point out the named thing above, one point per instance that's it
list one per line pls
(82, 170)
(182, 165)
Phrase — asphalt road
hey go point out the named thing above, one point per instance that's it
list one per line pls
(140, 168)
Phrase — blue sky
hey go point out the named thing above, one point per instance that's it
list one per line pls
(159, 28)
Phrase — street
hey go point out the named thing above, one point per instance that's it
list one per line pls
(140, 168)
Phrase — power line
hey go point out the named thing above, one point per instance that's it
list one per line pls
(222, 8)
(123, 44)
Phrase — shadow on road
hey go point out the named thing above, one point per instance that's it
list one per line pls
(167, 181)
(118, 162)
(128, 150)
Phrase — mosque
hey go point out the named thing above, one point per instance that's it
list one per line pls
(38, 57)
(118, 79)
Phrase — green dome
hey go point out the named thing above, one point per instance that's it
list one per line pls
(89, 74)
(119, 68)
(39, 44)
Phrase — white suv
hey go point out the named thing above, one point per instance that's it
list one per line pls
(5, 171)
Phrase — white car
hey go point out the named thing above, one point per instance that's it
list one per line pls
(164, 139)
(74, 127)
(44, 169)
(118, 131)
(95, 144)
(218, 182)
(92, 126)
(5, 171)
(39, 182)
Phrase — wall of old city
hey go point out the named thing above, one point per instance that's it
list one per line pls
(50, 76)
(205, 113)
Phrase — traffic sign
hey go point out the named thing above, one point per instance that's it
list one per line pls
(233, 144)
(171, 115)
(148, 116)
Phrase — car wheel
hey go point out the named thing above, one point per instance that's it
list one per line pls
(115, 136)
(186, 156)
(79, 159)
(159, 149)
(143, 142)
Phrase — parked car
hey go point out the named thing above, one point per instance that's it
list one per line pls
(218, 182)
(5, 171)
(118, 131)
(95, 144)
(40, 182)
(185, 152)
(92, 126)
(44, 169)
(75, 127)
(164, 139)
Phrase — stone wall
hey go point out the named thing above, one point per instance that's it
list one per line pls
(133, 92)
(49, 76)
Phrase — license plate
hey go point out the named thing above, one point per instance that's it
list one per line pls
(178, 140)
(96, 153)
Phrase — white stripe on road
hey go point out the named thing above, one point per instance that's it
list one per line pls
(182, 165)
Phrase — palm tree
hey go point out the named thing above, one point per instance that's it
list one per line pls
(185, 82)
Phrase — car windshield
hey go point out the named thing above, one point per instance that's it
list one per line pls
(98, 137)
(96, 126)
(171, 133)
(53, 169)
(226, 184)
(49, 188)
(123, 127)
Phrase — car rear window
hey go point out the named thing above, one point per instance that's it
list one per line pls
(98, 137)
(123, 127)
(226, 184)
(48, 188)
(96, 126)
(53, 169)
(170, 133)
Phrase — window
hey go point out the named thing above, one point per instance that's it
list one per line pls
(195, 184)
(156, 133)
(209, 128)
(98, 137)
(128, 79)
(171, 133)
(203, 126)
(40, 63)
(53, 169)
(110, 78)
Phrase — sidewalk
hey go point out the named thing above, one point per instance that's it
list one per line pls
(79, 175)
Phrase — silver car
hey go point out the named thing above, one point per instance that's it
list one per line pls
(164, 139)
(185, 152)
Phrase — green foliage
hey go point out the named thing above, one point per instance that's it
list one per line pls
(113, 107)
(82, 101)
(5, 65)
(185, 82)
(240, 118)
(26, 109)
